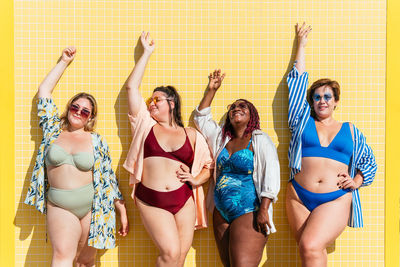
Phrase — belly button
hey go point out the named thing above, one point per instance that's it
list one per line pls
(167, 188)
(320, 181)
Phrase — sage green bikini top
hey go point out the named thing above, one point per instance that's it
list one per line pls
(56, 156)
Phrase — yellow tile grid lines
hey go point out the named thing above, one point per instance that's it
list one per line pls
(252, 41)
(392, 183)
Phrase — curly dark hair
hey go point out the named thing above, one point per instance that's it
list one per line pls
(253, 124)
(172, 94)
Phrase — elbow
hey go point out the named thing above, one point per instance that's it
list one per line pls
(43, 92)
(41, 89)
(130, 87)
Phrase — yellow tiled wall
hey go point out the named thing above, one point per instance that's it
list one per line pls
(252, 42)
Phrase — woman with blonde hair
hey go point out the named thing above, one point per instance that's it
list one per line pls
(72, 180)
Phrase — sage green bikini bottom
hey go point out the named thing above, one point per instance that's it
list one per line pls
(78, 200)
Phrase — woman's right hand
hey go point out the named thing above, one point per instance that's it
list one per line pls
(147, 42)
(120, 207)
(302, 34)
(68, 54)
(50, 81)
(215, 80)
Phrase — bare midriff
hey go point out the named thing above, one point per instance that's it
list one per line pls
(68, 177)
(159, 173)
(320, 175)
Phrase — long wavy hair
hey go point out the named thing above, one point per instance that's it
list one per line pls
(90, 125)
(253, 124)
(173, 95)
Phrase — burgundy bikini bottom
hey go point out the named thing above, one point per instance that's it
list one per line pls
(171, 201)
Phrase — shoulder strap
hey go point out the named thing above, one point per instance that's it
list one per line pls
(248, 146)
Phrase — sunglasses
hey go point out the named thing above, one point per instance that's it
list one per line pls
(85, 113)
(241, 105)
(318, 98)
(155, 100)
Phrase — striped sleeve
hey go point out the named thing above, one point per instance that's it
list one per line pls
(356, 218)
(297, 97)
(366, 161)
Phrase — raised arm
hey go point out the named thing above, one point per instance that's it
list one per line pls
(50, 81)
(202, 115)
(302, 35)
(132, 84)
(297, 81)
(214, 82)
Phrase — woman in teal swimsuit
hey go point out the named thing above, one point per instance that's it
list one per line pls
(234, 192)
(74, 164)
(247, 178)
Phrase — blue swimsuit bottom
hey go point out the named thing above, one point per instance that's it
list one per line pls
(312, 200)
(234, 192)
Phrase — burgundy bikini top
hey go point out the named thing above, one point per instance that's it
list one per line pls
(184, 154)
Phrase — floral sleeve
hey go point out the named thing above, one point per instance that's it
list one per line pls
(48, 115)
(109, 176)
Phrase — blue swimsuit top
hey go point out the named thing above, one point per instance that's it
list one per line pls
(240, 162)
(340, 149)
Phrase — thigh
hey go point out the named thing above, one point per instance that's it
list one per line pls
(161, 226)
(296, 212)
(185, 221)
(221, 235)
(85, 255)
(246, 244)
(326, 222)
(64, 229)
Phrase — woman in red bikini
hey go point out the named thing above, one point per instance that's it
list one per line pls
(168, 163)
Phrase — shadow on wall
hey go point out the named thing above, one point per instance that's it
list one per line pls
(137, 249)
(33, 223)
(282, 247)
(27, 218)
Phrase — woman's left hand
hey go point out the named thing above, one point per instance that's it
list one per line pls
(185, 176)
(346, 182)
(263, 224)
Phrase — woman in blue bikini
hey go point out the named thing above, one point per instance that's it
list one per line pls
(329, 161)
(246, 178)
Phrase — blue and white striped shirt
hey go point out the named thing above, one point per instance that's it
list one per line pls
(299, 113)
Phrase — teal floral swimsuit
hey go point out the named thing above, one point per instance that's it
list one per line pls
(234, 192)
